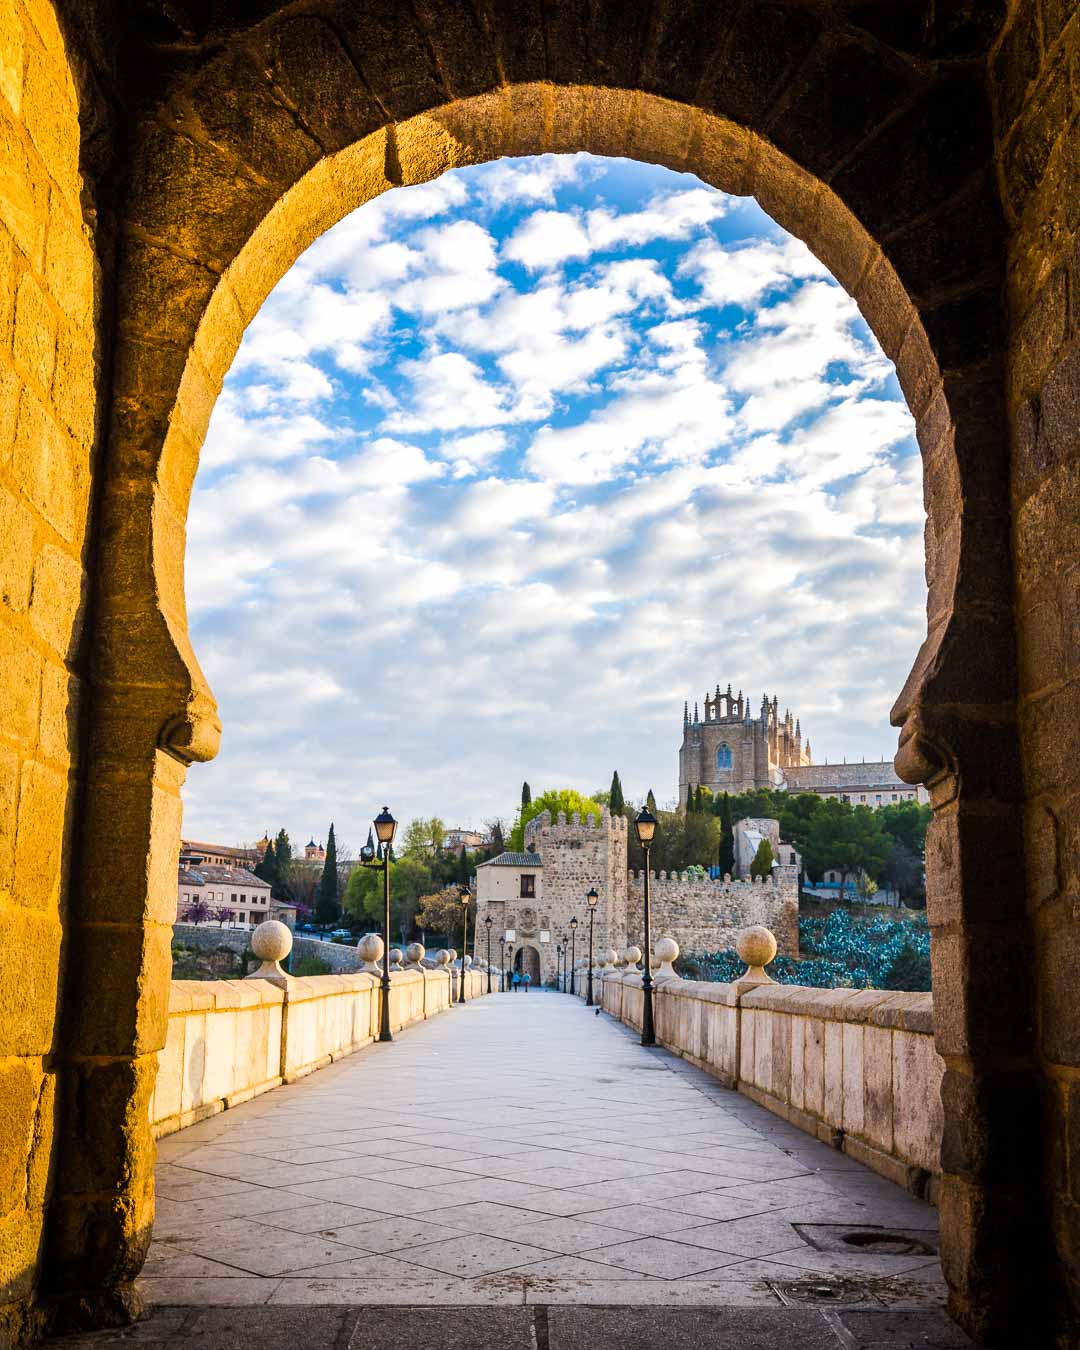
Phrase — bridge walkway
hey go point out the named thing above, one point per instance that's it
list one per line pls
(521, 1159)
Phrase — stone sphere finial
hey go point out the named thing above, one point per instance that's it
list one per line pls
(609, 958)
(468, 962)
(370, 948)
(271, 942)
(757, 947)
(442, 957)
(414, 954)
(632, 956)
(395, 958)
(664, 953)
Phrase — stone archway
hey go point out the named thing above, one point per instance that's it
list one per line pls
(956, 713)
(527, 962)
(250, 138)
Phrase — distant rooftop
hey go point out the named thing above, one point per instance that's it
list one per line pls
(514, 860)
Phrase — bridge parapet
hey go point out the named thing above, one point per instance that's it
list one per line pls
(856, 1068)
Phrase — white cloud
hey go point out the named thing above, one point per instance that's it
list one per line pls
(742, 274)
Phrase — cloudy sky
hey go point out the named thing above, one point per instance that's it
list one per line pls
(511, 464)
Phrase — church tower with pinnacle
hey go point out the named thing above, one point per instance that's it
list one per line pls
(730, 749)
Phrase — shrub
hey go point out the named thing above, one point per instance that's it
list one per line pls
(311, 965)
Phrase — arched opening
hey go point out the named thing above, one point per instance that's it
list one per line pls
(413, 152)
(153, 712)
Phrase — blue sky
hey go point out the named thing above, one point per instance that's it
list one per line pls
(512, 463)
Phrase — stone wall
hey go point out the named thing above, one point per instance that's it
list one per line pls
(856, 1068)
(229, 1040)
(49, 367)
(704, 915)
(1035, 79)
(341, 959)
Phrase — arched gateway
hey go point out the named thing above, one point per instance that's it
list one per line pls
(161, 174)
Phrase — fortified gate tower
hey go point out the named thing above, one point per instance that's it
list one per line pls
(535, 894)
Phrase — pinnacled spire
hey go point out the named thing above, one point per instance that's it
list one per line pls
(695, 714)
(686, 713)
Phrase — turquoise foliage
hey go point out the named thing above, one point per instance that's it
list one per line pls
(839, 953)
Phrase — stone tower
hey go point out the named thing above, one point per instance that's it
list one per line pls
(577, 855)
(730, 750)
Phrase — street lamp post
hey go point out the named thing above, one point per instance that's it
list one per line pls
(502, 964)
(558, 968)
(464, 897)
(487, 925)
(646, 829)
(385, 829)
(573, 950)
(590, 899)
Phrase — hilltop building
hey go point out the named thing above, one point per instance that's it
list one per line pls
(731, 750)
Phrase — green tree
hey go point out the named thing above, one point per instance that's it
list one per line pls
(904, 872)
(555, 800)
(650, 802)
(281, 887)
(424, 838)
(526, 795)
(910, 971)
(616, 800)
(326, 901)
(498, 841)
(726, 853)
(409, 879)
(439, 914)
(464, 867)
(267, 869)
(763, 860)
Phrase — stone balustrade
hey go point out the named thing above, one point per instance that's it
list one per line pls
(857, 1068)
(229, 1040)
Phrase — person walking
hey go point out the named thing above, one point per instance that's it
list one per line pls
(525, 979)
(515, 982)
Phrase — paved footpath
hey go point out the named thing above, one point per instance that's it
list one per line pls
(521, 1172)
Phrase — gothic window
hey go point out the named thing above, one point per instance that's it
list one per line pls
(528, 886)
(723, 757)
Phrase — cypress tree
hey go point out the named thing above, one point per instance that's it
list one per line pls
(267, 869)
(617, 802)
(463, 867)
(526, 796)
(763, 860)
(283, 869)
(650, 802)
(326, 904)
(498, 844)
(726, 858)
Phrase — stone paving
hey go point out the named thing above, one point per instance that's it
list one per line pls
(522, 1151)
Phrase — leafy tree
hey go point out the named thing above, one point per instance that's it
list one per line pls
(424, 838)
(440, 913)
(763, 860)
(726, 853)
(554, 800)
(616, 800)
(326, 904)
(910, 970)
(222, 914)
(904, 873)
(682, 840)
(498, 840)
(409, 879)
(526, 795)
(198, 911)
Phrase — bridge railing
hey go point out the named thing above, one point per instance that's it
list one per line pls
(857, 1068)
(229, 1040)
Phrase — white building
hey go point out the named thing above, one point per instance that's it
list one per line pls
(231, 888)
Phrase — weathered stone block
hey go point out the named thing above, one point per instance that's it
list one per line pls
(59, 596)
(29, 977)
(35, 333)
(45, 804)
(16, 551)
(54, 478)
